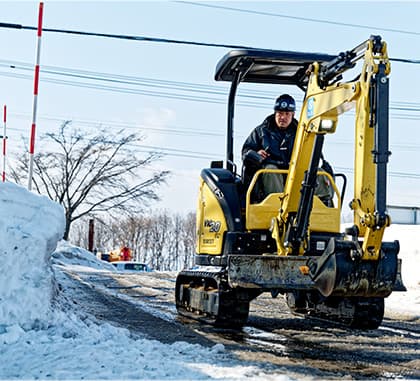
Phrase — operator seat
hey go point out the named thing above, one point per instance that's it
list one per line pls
(252, 162)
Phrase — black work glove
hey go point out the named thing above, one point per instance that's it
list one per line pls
(253, 158)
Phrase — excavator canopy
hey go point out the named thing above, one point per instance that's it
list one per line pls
(268, 66)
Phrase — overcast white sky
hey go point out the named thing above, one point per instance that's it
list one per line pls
(174, 101)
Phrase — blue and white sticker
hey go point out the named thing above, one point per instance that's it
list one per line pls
(310, 108)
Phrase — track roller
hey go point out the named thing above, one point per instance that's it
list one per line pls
(206, 296)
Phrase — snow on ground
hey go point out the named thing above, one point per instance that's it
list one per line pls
(406, 302)
(44, 337)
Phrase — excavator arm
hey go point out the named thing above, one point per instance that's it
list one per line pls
(326, 98)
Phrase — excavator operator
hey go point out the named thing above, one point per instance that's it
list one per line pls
(270, 146)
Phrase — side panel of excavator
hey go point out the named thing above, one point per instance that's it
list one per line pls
(211, 222)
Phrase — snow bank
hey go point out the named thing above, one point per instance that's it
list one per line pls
(30, 227)
(69, 255)
(406, 302)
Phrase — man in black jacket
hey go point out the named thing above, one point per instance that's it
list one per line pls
(270, 144)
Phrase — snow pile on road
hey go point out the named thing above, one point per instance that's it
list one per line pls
(30, 227)
(68, 255)
(406, 302)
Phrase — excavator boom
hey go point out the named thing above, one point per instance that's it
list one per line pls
(324, 101)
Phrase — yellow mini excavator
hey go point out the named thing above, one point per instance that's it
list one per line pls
(291, 242)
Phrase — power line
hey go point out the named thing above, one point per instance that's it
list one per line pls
(124, 36)
(127, 90)
(403, 60)
(414, 176)
(176, 152)
(166, 151)
(175, 130)
(166, 40)
(57, 70)
(221, 89)
(300, 18)
(170, 130)
(180, 90)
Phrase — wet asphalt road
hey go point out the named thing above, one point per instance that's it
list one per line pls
(273, 338)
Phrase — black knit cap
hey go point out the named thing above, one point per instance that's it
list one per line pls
(285, 102)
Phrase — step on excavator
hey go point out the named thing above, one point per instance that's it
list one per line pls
(291, 243)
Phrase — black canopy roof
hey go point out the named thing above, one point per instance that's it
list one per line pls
(268, 66)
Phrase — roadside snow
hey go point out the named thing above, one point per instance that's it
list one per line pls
(42, 336)
(406, 303)
(30, 227)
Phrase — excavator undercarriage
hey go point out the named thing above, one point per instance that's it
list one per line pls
(291, 243)
(329, 287)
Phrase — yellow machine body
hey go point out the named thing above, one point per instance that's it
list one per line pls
(211, 222)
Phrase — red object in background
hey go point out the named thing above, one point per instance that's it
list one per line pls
(126, 254)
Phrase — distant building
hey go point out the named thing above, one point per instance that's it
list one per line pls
(409, 215)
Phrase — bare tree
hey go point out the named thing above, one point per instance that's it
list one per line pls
(163, 240)
(90, 174)
(158, 229)
(129, 231)
(189, 237)
(174, 242)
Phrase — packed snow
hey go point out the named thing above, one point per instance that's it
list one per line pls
(42, 336)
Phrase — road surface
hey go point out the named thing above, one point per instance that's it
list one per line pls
(273, 337)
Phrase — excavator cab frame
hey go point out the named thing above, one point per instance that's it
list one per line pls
(262, 66)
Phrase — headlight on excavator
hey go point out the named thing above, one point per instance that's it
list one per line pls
(327, 125)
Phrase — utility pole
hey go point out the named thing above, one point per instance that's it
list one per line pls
(3, 176)
(91, 235)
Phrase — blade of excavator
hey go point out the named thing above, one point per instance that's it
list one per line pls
(339, 271)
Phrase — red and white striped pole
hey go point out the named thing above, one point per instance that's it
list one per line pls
(4, 144)
(36, 80)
